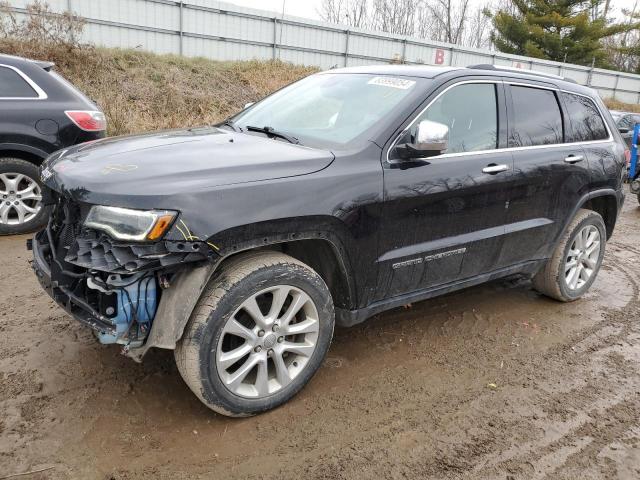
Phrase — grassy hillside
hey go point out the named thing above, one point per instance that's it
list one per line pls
(141, 91)
(625, 107)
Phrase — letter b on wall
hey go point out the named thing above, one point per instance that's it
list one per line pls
(439, 57)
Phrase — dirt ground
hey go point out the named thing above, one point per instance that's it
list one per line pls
(493, 382)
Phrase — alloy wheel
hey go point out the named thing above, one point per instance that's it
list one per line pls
(267, 342)
(582, 259)
(21, 198)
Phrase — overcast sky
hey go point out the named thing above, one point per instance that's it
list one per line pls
(308, 8)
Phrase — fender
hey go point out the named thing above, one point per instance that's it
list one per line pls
(19, 147)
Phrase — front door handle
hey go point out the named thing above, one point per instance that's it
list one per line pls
(573, 158)
(493, 169)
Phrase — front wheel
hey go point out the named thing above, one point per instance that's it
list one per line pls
(21, 210)
(258, 334)
(576, 261)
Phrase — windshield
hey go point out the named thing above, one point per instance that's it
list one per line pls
(331, 109)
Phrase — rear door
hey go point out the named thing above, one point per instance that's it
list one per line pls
(551, 174)
(443, 218)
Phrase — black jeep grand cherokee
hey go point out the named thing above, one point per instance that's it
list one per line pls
(345, 194)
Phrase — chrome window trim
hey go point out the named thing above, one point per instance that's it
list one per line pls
(39, 91)
(507, 149)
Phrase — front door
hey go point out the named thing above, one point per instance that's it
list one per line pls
(443, 217)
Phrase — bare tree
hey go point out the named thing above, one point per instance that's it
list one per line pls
(453, 21)
(451, 16)
(354, 13)
(395, 16)
(624, 48)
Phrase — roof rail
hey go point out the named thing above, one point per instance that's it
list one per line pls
(521, 71)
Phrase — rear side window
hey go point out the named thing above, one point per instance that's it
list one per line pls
(586, 122)
(537, 119)
(13, 85)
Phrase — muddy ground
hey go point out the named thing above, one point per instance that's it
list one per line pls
(407, 395)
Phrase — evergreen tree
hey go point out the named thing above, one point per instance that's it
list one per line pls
(560, 30)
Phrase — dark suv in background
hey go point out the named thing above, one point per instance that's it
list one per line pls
(40, 112)
(626, 121)
(350, 192)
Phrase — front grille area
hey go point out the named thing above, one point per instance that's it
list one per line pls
(97, 251)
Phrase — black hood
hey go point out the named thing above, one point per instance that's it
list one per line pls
(124, 170)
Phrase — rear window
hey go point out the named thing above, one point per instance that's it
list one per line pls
(537, 119)
(12, 85)
(586, 122)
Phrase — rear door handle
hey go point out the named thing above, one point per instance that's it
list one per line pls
(573, 158)
(493, 169)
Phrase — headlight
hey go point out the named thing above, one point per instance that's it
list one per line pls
(127, 224)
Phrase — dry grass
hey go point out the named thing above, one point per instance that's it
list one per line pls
(141, 91)
(624, 107)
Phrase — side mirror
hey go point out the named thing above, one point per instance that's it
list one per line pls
(247, 105)
(623, 130)
(431, 139)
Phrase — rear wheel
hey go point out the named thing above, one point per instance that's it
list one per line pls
(258, 334)
(21, 210)
(576, 261)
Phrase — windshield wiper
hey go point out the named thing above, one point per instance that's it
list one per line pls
(273, 133)
(231, 125)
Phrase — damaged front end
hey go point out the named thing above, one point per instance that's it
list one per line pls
(116, 287)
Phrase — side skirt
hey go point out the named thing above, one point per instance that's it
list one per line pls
(348, 318)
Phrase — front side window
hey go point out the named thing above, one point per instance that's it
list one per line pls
(586, 122)
(537, 119)
(12, 85)
(333, 109)
(471, 112)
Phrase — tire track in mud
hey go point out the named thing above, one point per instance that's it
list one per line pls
(591, 415)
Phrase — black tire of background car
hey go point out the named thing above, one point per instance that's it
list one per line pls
(237, 280)
(16, 165)
(550, 281)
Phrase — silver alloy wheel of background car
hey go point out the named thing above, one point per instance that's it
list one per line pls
(582, 259)
(267, 342)
(21, 198)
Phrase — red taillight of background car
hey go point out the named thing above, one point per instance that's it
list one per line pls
(89, 121)
(627, 156)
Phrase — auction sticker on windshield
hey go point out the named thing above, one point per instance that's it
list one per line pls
(392, 82)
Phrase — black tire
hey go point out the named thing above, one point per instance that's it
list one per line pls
(237, 281)
(16, 165)
(551, 280)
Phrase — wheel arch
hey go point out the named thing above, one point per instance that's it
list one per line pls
(605, 203)
(321, 254)
(23, 152)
